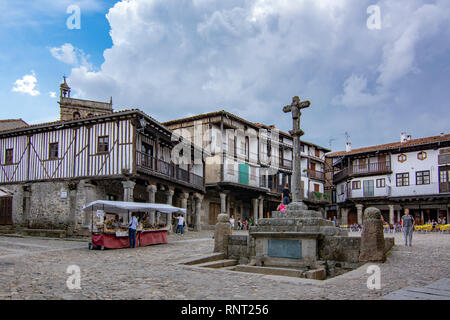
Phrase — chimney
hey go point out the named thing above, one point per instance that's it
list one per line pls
(408, 137)
(442, 134)
(348, 147)
(403, 137)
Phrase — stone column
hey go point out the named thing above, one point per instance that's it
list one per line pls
(391, 213)
(72, 209)
(398, 216)
(89, 193)
(169, 199)
(26, 206)
(344, 216)
(151, 189)
(223, 202)
(261, 207)
(255, 209)
(128, 188)
(372, 246)
(184, 201)
(421, 217)
(198, 207)
(448, 216)
(359, 209)
(221, 233)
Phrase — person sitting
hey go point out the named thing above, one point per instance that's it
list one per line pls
(281, 207)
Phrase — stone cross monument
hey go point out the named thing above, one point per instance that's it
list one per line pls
(297, 190)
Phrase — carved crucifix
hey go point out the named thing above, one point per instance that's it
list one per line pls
(296, 187)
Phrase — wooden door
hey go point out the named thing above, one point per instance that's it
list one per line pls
(6, 211)
(381, 166)
(214, 210)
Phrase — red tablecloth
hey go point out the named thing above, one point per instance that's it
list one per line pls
(152, 237)
(110, 241)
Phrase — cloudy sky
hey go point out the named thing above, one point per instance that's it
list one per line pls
(370, 68)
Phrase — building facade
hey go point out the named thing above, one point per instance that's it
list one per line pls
(248, 166)
(411, 173)
(52, 170)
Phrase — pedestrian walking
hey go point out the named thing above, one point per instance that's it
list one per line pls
(132, 226)
(408, 227)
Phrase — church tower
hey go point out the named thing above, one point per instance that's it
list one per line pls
(72, 109)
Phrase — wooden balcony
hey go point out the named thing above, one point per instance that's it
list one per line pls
(172, 171)
(318, 175)
(368, 170)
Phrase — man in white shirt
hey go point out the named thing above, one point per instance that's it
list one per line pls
(132, 226)
(180, 224)
(232, 222)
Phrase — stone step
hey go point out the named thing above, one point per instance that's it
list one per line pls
(209, 258)
(44, 233)
(219, 263)
(7, 229)
(315, 274)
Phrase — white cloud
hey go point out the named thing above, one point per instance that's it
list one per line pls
(68, 54)
(172, 58)
(52, 94)
(26, 85)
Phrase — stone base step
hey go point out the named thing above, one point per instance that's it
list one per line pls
(209, 258)
(219, 264)
(8, 229)
(316, 274)
(44, 233)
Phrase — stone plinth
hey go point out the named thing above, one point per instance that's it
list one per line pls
(222, 231)
(372, 237)
(294, 234)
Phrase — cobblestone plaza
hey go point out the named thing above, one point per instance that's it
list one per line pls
(36, 268)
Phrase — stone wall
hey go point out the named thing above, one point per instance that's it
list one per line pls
(237, 248)
(344, 249)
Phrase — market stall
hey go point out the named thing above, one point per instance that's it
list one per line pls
(109, 223)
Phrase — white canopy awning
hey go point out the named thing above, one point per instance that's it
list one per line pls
(124, 207)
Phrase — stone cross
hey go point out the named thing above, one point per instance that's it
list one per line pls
(297, 191)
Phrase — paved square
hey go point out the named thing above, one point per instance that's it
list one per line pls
(35, 268)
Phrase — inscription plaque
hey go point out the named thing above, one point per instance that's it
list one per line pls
(285, 248)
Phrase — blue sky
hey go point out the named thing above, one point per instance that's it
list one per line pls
(176, 58)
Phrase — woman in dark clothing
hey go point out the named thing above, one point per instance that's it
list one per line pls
(285, 195)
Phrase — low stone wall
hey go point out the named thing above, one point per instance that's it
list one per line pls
(336, 249)
(237, 248)
(345, 249)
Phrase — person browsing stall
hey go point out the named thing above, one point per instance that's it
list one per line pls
(132, 226)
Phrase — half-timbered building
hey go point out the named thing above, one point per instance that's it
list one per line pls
(53, 169)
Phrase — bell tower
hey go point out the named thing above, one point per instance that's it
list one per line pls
(73, 109)
(64, 89)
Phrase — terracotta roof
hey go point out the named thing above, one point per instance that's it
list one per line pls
(10, 124)
(223, 112)
(393, 145)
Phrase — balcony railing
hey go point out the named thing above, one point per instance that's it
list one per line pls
(316, 175)
(170, 170)
(372, 168)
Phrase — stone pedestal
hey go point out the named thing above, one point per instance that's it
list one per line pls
(372, 237)
(222, 231)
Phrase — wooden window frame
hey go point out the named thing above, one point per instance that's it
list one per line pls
(357, 183)
(402, 158)
(9, 156)
(421, 175)
(381, 183)
(404, 177)
(51, 149)
(422, 155)
(102, 144)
